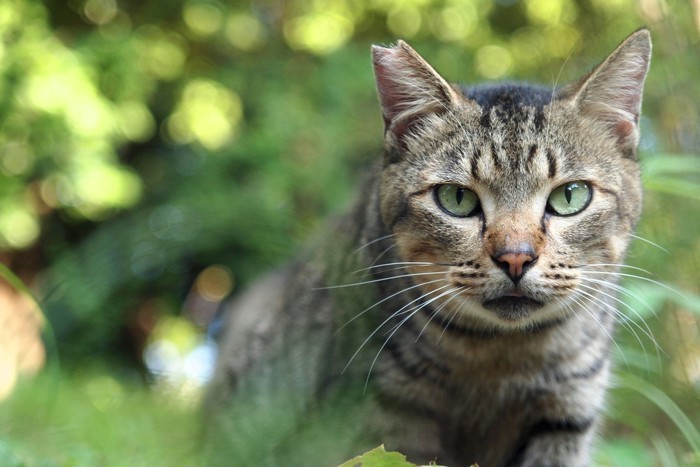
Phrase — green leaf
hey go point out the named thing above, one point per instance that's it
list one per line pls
(666, 404)
(379, 457)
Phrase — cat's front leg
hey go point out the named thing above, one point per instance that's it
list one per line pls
(563, 421)
(556, 443)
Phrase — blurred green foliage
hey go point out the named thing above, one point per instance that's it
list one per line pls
(142, 142)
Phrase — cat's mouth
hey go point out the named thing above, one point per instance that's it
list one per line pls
(513, 306)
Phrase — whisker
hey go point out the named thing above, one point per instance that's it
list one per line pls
(392, 316)
(580, 301)
(634, 276)
(384, 300)
(645, 240)
(397, 327)
(615, 265)
(619, 313)
(625, 320)
(401, 264)
(619, 319)
(378, 280)
(620, 289)
(437, 310)
(383, 252)
(452, 316)
(371, 242)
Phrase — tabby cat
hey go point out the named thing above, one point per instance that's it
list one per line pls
(464, 310)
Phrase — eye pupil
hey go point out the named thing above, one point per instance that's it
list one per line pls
(567, 192)
(459, 195)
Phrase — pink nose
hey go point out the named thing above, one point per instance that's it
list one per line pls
(516, 262)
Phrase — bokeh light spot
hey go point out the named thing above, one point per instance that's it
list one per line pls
(550, 12)
(404, 21)
(163, 54)
(493, 61)
(105, 393)
(180, 358)
(202, 18)
(208, 113)
(561, 40)
(214, 283)
(99, 187)
(135, 121)
(19, 228)
(453, 24)
(320, 32)
(167, 222)
(16, 158)
(100, 11)
(244, 31)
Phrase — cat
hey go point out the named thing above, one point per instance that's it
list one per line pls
(464, 310)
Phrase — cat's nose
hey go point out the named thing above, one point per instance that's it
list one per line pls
(515, 262)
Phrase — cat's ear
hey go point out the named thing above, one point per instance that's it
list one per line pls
(409, 88)
(612, 92)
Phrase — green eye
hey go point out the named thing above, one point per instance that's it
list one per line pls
(570, 198)
(456, 201)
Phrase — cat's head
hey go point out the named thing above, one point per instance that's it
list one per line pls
(522, 196)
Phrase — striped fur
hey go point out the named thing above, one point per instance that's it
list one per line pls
(404, 326)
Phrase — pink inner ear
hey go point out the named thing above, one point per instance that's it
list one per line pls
(392, 94)
(624, 129)
(630, 94)
(408, 87)
(389, 96)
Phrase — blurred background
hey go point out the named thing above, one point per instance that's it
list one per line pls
(156, 156)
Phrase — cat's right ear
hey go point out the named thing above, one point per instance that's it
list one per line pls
(612, 92)
(409, 88)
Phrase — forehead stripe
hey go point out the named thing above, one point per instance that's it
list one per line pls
(552, 161)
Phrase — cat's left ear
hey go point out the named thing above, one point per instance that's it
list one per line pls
(409, 88)
(612, 92)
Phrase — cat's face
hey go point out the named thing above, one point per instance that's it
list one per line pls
(521, 197)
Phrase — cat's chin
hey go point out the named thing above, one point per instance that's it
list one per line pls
(512, 308)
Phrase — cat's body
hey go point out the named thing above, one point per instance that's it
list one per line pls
(484, 254)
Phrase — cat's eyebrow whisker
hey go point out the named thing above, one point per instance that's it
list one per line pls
(645, 240)
(382, 279)
(384, 300)
(548, 134)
